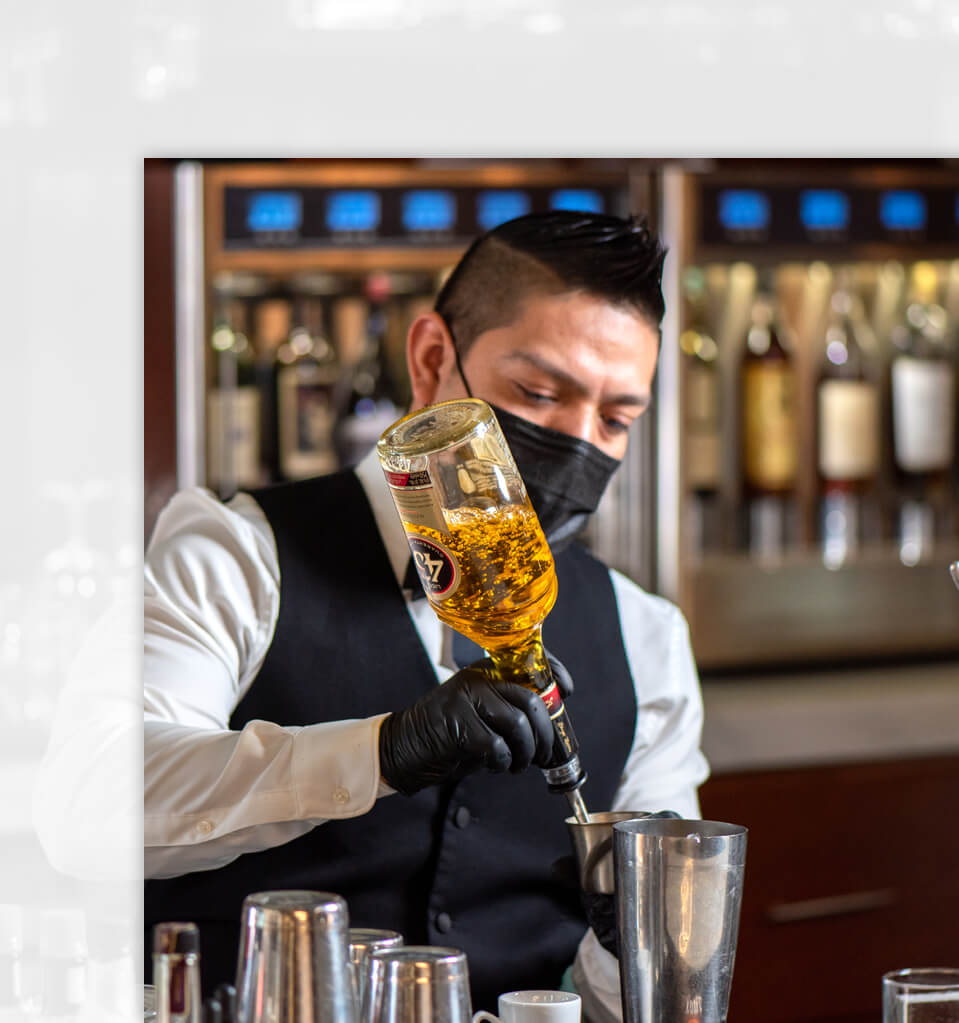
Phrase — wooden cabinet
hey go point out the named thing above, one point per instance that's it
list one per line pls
(159, 341)
(851, 871)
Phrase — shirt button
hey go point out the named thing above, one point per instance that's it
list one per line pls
(444, 923)
(462, 818)
(204, 827)
(341, 796)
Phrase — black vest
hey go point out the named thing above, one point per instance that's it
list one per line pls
(466, 865)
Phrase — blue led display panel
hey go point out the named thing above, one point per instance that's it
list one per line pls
(429, 209)
(824, 209)
(583, 200)
(901, 210)
(353, 211)
(274, 211)
(743, 209)
(496, 206)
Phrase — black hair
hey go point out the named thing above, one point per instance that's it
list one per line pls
(616, 259)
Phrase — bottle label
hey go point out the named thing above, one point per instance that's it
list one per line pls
(551, 697)
(923, 413)
(438, 569)
(769, 426)
(306, 421)
(703, 446)
(233, 431)
(848, 430)
(702, 396)
(703, 454)
(415, 499)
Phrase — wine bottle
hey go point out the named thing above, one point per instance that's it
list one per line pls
(233, 404)
(273, 318)
(306, 381)
(769, 427)
(479, 550)
(701, 421)
(370, 404)
(923, 389)
(847, 399)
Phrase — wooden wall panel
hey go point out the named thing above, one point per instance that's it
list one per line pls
(159, 340)
(851, 871)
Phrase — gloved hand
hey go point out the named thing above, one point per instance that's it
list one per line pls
(600, 909)
(470, 722)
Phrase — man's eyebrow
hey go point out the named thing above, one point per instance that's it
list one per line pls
(566, 378)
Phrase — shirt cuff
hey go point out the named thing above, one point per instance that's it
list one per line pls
(336, 768)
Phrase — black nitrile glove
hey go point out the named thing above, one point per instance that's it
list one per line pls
(470, 722)
(600, 909)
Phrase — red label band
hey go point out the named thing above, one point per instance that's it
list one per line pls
(551, 697)
(409, 480)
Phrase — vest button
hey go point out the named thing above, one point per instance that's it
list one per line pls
(462, 818)
(204, 827)
(444, 923)
(341, 796)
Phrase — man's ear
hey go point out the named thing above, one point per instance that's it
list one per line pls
(430, 358)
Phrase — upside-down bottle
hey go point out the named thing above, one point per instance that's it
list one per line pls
(480, 551)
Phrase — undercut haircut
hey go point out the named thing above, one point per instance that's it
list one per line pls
(615, 259)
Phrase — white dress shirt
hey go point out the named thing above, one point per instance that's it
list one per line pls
(211, 598)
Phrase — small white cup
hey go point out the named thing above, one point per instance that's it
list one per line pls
(534, 1007)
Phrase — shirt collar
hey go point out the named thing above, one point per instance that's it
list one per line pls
(370, 474)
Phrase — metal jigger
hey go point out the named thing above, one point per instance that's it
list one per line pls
(294, 959)
(593, 847)
(679, 887)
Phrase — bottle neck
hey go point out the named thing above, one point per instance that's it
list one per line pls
(525, 662)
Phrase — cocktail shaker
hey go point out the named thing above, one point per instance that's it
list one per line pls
(679, 887)
(293, 962)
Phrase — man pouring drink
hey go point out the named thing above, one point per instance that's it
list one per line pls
(311, 723)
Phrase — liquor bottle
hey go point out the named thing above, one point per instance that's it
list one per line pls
(11, 962)
(273, 318)
(370, 404)
(480, 552)
(306, 380)
(923, 388)
(63, 964)
(233, 404)
(176, 972)
(701, 421)
(769, 427)
(847, 399)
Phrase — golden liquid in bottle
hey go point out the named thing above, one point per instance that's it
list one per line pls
(507, 578)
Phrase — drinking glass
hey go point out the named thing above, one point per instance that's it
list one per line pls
(921, 996)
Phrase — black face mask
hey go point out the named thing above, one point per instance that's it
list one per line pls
(565, 476)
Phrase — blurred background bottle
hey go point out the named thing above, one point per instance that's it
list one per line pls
(703, 461)
(233, 402)
(11, 962)
(923, 391)
(371, 399)
(273, 321)
(63, 964)
(307, 373)
(769, 426)
(848, 426)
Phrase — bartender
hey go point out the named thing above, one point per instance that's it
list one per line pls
(310, 723)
